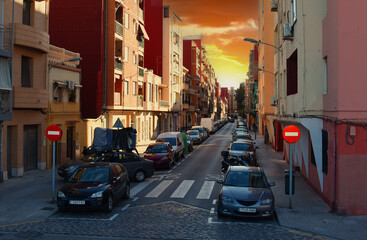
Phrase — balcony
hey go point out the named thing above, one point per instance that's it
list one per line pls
(140, 101)
(117, 99)
(163, 103)
(141, 15)
(31, 37)
(118, 64)
(141, 43)
(141, 72)
(119, 29)
(5, 41)
(185, 106)
(192, 108)
(30, 98)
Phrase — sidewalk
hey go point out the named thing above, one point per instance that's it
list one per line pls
(309, 212)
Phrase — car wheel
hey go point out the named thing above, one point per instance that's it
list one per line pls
(171, 163)
(109, 204)
(220, 212)
(127, 192)
(139, 175)
(61, 209)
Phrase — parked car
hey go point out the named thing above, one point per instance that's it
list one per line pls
(201, 130)
(245, 192)
(195, 136)
(209, 124)
(138, 168)
(190, 143)
(161, 154)
(241, 135)
(176, 141)
(230, 119)
(242, 148)
(94, 185)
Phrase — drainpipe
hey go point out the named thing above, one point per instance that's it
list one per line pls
(334, 204)
(1, 152)
(105, 56)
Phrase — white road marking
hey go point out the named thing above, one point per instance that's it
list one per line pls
(214, 201)
(135, 198)
(169, 171)
(135, 190)
(212, 210)
(125, 207)
(291, 134)
(206, 190)
(210, 220)
(113, 217)
(182, 189)
(159, 189)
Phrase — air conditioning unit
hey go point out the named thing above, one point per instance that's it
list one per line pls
(71, 85)
(274, 5)
(287, 31)
(273, 101)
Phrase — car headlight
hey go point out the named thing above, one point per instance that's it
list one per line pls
(97, 194)
(67, 169)
(60, 194)
(226, 199)
(165, 158)
(266, 201)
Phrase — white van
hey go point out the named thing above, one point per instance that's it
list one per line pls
(176, 140)
(209, 124)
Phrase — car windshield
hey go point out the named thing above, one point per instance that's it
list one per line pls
(241, 147)
(199, 129)
(157, 149)
(172, 141)
(91, 174)
(246, 179)
(193, 133)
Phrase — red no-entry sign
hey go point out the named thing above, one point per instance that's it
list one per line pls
(291, 134)
(53, 132)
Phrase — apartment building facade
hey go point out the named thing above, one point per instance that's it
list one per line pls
(23, 137)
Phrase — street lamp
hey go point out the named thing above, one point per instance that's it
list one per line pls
(74, 59)
(251, 40)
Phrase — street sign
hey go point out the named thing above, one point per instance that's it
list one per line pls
(53, 133)
(118, 124)
(291, 134)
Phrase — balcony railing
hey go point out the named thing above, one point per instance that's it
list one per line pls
(141, 43)
(119, 29)
(141, 72)
(5, 38)
(140, 101)
(141, 14)
(163, 103)
(118, 64)
(117, 100)
(185, 106)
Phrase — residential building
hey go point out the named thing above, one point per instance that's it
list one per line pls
(339, 138)
(265, 69)
(64, 104)
(252, 105)
(164, 55)
(232, 103)
(23, 137)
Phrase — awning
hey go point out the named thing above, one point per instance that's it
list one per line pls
(144, 31)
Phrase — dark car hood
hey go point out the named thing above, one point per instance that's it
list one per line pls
(83, 189)
(240, 153)
(246, 193)
(71, 163)
(155, 156)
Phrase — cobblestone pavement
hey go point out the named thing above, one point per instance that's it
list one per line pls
(166, 220)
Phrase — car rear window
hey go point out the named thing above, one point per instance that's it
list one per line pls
(157, 149)
(172, 141)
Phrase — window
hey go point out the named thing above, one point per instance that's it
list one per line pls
(26, 74)
(156, 93)
(135, 56)
(134, 88)
(150, 92)
(27, 6)
(293, 11)
(325, 83)
(126, 57)
(313, 160)
(126, 88)
(325, 143)
(134, 26)
(292, 74)
(126, 20)
(136, 1)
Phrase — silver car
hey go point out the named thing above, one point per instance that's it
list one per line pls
(245, 193)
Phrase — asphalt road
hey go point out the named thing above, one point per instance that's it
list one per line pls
(173, 204)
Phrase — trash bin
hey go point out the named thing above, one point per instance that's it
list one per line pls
(287, 182)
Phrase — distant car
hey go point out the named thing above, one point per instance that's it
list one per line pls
(201, 130)
(245, 192)
(94, 185)
(242, 148)
(176, 141)
(230, 119)
(161, 154)
(195, 136)
(190, 143)
(241, 135)
(138, 168)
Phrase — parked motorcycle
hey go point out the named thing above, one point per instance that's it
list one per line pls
(230, 160)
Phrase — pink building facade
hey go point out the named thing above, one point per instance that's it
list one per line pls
(344, 106)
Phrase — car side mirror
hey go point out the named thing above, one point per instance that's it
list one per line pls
(220, 181)
(271, 184)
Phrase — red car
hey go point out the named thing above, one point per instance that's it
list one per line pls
(161, 153)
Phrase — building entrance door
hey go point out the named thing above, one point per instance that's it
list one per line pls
(30, 146)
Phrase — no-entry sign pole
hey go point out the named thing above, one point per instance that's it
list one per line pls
(291, 134)
(53, 133)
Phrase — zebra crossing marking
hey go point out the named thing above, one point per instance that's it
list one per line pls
(135, 190)
(182, 189)
(206, 190)
(159, 189)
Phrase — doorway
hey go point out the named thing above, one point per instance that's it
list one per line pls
(30, 146)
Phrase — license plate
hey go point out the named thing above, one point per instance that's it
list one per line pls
(247, 210)
(76, 202)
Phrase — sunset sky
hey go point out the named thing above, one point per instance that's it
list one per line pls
(224, 24)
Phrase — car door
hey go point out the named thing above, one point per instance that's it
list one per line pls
(115, 183)
(122, 176)
(131, 162)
